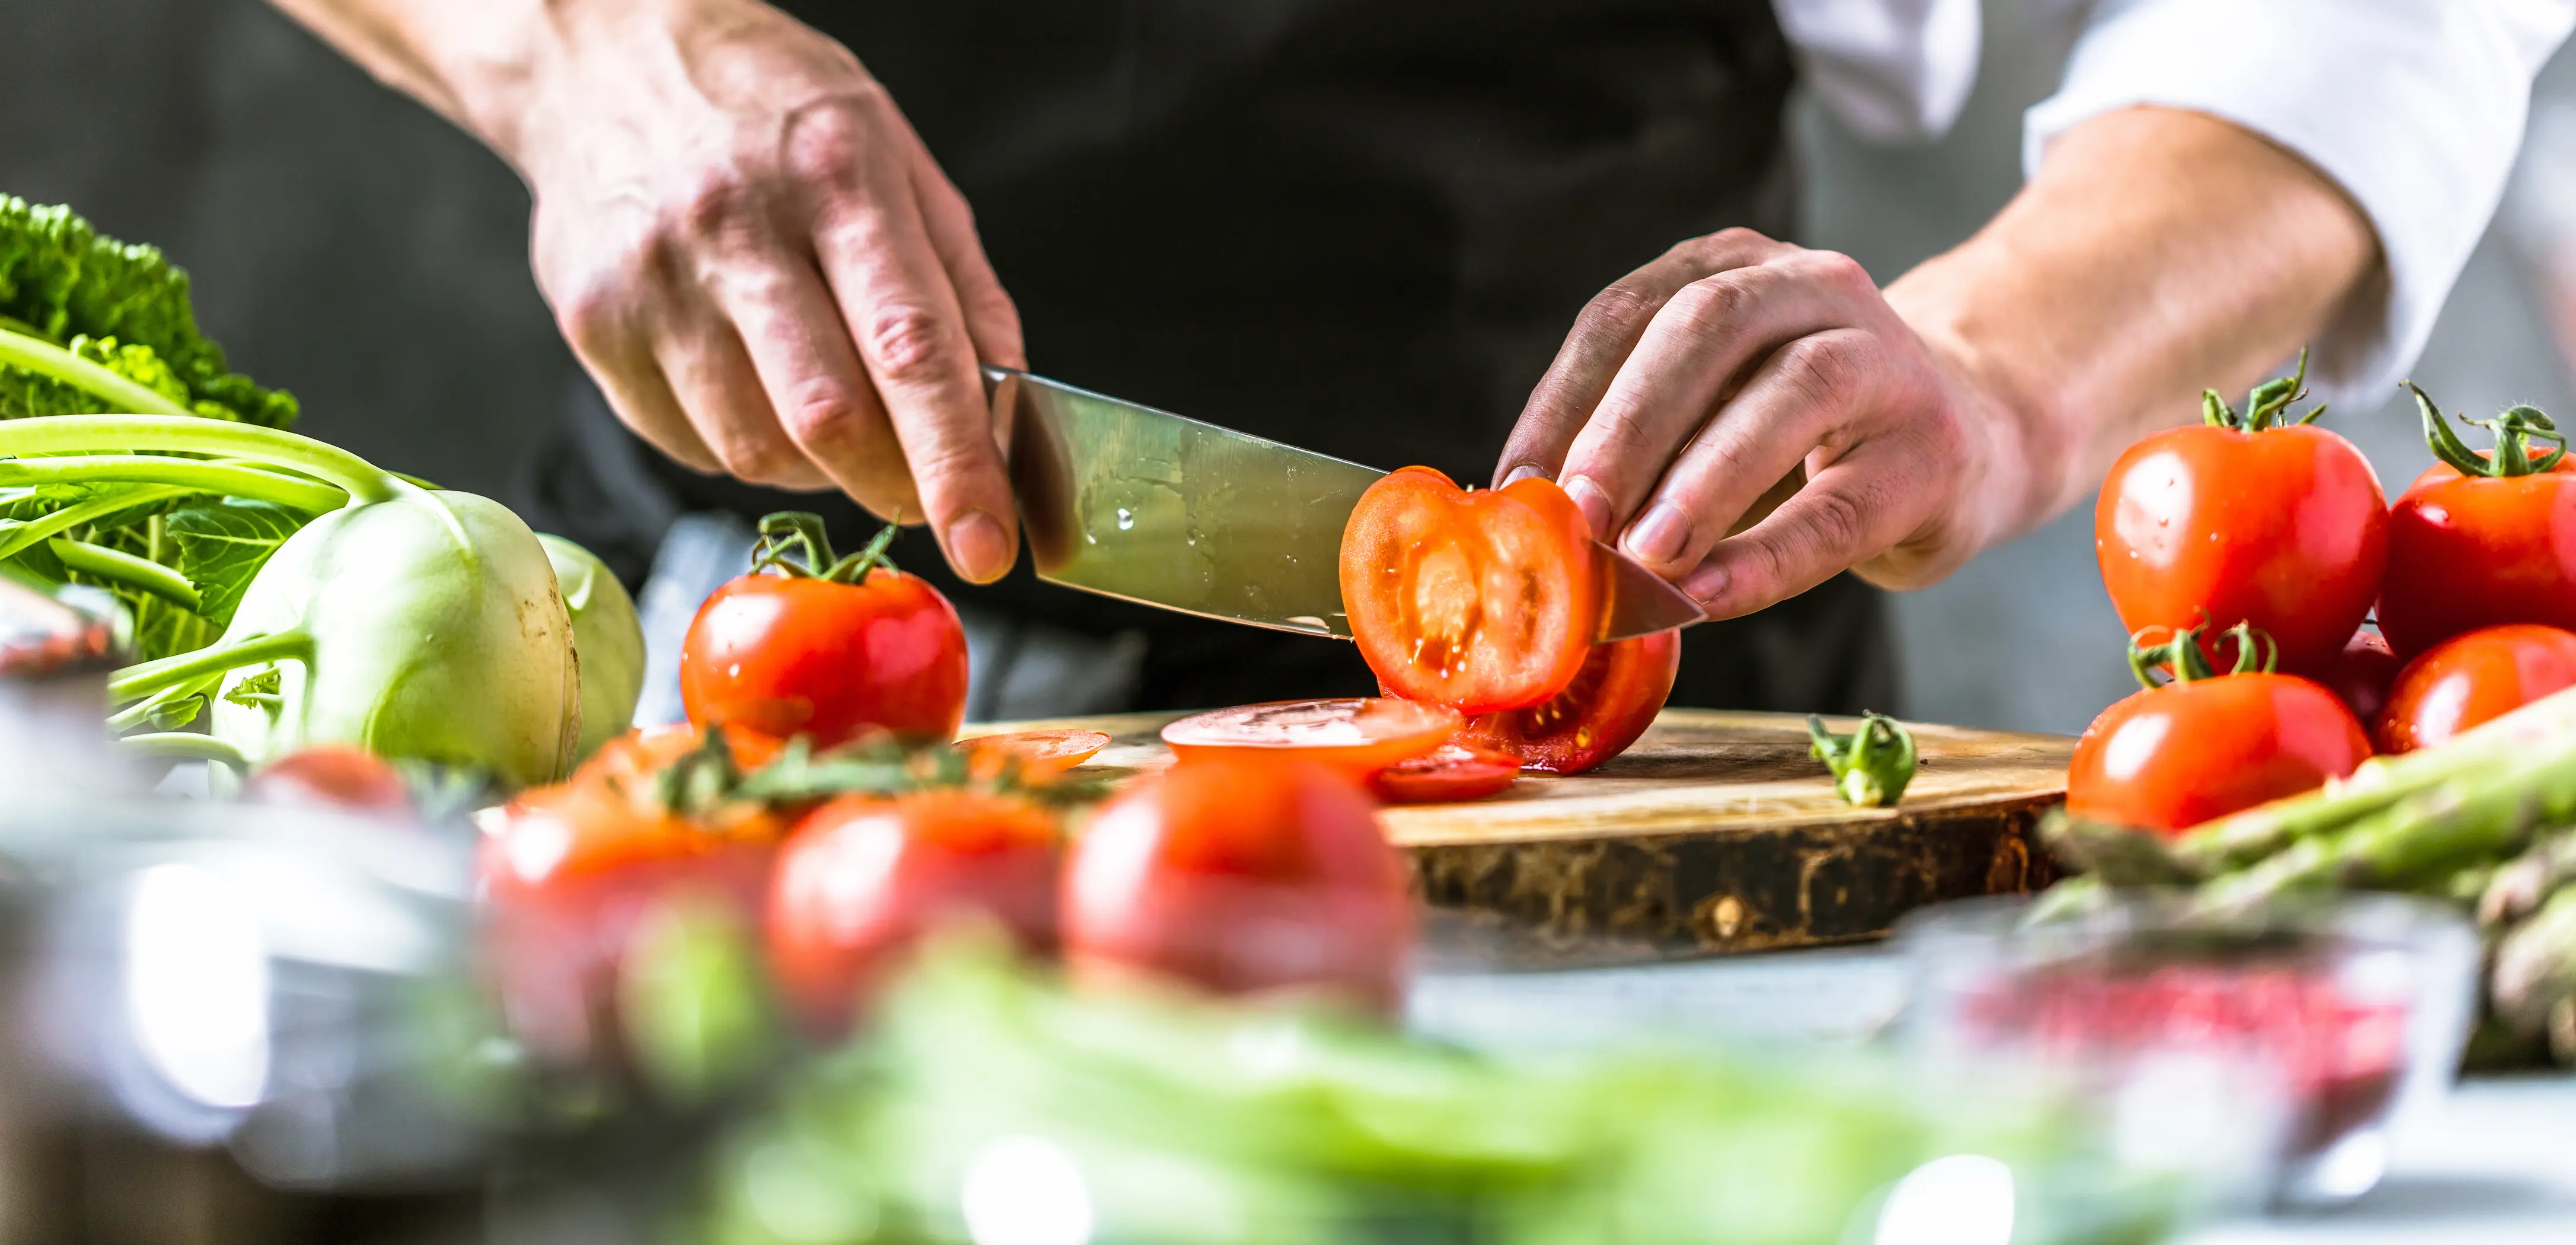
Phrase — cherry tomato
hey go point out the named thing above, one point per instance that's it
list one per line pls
(1358, 735)
(830, 655)
(1611, 702)
(1039, 754)
(2471, 678)
(2361, 674)
(2466, 552)
(2169, 758)
(337, 776)
(863, 878)
(1241, 875)
(1449, 773)
(2280, 526)
(1481, 601)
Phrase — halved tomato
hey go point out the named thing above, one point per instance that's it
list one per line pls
(1612, 700)
(1357, 735)
(1449, 773)
(1480, 601)
(1040, 754)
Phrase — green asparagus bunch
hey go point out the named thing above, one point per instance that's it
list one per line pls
(2483, 821)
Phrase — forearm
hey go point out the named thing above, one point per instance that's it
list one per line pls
(2158, 252)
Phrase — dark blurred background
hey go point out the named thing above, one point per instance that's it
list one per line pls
(349, 245)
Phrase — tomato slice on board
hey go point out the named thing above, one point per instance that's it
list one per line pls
(1040, 753)
(1483, 601)
(1612, 700)
(1445, 775)
(1357, 735)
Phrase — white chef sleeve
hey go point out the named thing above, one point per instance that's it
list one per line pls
(2416, 107)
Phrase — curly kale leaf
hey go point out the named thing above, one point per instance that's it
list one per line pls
(122, 305)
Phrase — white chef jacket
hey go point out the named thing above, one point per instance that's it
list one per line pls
(2415, 107)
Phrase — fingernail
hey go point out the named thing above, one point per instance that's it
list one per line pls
(977, 547)
(1660, 535)
(1704, 584)
(1594, 504)
(1526, 471)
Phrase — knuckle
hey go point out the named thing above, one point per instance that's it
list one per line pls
(1825, 370)
(1833, 268)
(909, 345)
(820, 411)
(1617, 312)
(1710, 304)
(717, 205)
(755, 458)
(1836, 525)
(827, 139)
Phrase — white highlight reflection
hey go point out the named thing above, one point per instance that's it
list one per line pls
(1025, 1191)
(1962, 1199)
(196, 986)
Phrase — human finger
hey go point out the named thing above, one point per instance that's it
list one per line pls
(1849, 511)
(992, 319)
(1602, 337)
(1811, 392)
(798, 347)
(711, 374)
(1706, 337)
(901, 310)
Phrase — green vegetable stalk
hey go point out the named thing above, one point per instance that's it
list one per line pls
(410, 622)
(1872, 765)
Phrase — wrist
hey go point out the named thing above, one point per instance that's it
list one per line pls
(2030, 465)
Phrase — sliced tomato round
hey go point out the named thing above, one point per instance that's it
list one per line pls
(1612, 700)
(1447, 774)
(1357, 734)
(1482, 601)
(1039, 753)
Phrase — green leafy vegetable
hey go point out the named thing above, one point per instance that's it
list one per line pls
(222, 544)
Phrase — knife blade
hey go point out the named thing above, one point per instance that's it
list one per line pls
(1132, 502)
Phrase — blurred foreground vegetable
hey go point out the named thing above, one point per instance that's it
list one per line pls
(607, 636)
(988, 1100)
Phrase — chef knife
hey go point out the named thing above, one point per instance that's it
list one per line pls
(1133, 502)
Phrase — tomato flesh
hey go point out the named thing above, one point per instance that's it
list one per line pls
(778, 657)
(1039, 753)
(1241, 876)
(1449, 773)
(1481, 601)
(2169, 758)
(864, 878)
(2465, 553)
(2285, 528)
(1357, 735)
(2472, 678)
(1610, 703)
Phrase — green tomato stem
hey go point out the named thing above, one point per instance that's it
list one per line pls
(17, 540)
(1873, 765)
(229, 479)
(190, 434)
(118, 566)
(152, 676)
(187, 746)
(38, 355)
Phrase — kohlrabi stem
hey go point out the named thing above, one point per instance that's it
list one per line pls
(142, 710)
(190, 434)
(187, 746)
(229, 479)
(152, 676)
(38, 355)
(36, 530)
(119, 567)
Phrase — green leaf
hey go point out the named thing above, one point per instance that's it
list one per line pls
(259, 691)
(222, 544)
(175, 714)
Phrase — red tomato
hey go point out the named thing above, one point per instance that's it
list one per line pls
(1241, 875)
(2471, 678)
(864, 878)
(2172, 757)
(2361, 674)
(1481, 601)
(780, 656)
(2466, 552)
(1451, 772)
(1357, 735)
(2284, 528)
(1611, 702)
(1039, 754)
(332, 776)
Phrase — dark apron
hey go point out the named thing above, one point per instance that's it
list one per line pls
(1358, 227)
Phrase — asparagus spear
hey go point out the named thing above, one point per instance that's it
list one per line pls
(2532, 984)
(2518, 887)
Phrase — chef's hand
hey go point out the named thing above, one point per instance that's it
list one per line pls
(741, 237)
(1693, 385)
(2156, 252)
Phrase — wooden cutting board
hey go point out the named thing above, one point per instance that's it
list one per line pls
(1716, 833)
